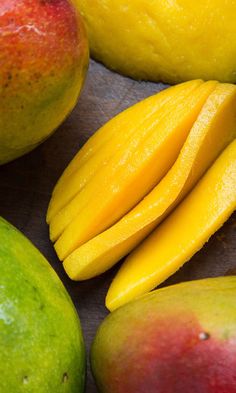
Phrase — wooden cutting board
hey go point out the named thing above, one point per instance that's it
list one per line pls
(26, 185)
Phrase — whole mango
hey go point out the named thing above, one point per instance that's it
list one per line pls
(43, 62)
(41, 342)
(162, 40)
(177, 339)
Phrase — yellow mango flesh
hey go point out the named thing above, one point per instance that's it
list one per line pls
(171, 41)
(210, 134)
(181, 235)
(120, 161)
(139, 168)
(99, 149)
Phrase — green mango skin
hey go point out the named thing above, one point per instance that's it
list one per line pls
(43, 63)
(179, 339)
(41, 343)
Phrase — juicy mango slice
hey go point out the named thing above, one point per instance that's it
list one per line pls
(99, 149)
(214, 129)
(133, 173)
(106, 183)
(181, 235)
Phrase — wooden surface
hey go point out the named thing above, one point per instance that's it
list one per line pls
(26, 185)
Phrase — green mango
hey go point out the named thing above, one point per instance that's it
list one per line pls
(41, 343)
(179, 339)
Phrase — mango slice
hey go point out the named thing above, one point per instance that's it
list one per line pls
(100, 147)
(135, 170)
(181, 235)
(106, 183)
(214, 129)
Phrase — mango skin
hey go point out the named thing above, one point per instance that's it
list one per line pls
(44, 58)
(161, 40)
(177, 339)
(41, 344)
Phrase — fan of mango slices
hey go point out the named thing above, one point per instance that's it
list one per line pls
(155, 182)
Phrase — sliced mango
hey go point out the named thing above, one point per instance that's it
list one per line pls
(106, 181)
(100, 147)
(139, 168)
(212, 131)
(181, 235)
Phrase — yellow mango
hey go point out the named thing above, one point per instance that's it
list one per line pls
(171, 41)
(210, 134)
(139, 168)
(181, 235)
(119, 162)
(99, 149)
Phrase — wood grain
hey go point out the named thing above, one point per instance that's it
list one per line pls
(26, 185)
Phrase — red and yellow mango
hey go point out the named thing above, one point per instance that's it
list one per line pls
(176, 339)
(43, 58)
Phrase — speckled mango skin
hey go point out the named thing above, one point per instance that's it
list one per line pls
(41, 342)
(161, 40)
(177, 339)
(43, 62)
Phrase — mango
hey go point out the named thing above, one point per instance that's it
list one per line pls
(44, 57)
(41, 343)
(177, 339)
(214, 128)
(103, 189)
(167, 41)
(133, 171)
(181, 235)
(99, 148)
